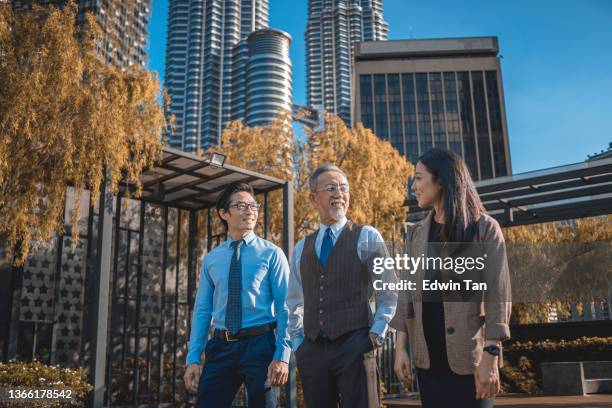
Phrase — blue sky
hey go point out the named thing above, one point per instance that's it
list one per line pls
(556, 65)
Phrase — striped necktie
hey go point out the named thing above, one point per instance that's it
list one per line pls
(233, 313)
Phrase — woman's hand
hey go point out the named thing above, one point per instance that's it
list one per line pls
(487, 377)
(402, 366)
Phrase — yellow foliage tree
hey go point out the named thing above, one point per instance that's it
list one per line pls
(64, 118)
(377, 172)
(559, 263)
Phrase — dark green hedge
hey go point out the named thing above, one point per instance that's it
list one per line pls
(522, 361)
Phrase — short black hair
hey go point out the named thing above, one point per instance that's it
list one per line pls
(223, 201)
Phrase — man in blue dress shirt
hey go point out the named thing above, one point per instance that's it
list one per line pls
(242, 290)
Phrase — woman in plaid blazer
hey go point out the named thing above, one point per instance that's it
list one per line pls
(455, 340)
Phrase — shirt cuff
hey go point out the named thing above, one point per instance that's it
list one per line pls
(297, 341)
(282, 354)
(497, 331)
(379, 327)
(193, 356)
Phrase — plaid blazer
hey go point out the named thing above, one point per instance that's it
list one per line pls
(468, 323)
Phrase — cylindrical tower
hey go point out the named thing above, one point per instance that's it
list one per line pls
(268, 76)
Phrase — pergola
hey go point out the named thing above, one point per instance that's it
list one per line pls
(559, 193)
(127, 307)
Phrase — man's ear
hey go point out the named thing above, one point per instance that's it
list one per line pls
(311, 196)
(223, 214)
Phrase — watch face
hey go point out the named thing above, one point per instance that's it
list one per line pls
(380, 340)
(494, 350)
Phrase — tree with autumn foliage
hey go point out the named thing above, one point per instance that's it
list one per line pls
(65, 118)
(377, 173)
(556, 264)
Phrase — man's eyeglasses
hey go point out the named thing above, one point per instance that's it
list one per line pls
(242, 206)
(333, 188)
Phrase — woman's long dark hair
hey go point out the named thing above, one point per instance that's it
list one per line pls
(461, 203)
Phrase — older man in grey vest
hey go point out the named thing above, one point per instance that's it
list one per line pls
(334, 326)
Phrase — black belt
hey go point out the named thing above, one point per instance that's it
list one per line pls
(243, 334)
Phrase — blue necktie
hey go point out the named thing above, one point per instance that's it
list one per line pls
(233, 313)
(326, 247)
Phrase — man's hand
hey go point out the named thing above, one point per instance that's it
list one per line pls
(278, 373)
(192, 378)
(487, 377)
(402, 366)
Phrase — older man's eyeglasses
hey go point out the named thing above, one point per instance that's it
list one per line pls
(334, 188)
(242, 206)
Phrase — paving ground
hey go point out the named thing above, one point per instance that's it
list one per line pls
(515, 401)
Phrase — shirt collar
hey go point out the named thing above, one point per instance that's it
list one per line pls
(335, 228)
(248, 238)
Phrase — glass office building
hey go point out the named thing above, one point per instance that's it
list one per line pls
(332, 29)
(419, 94)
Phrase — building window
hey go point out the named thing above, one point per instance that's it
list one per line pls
(482, 126)
(453, 121)
(380, 107)
(423, 116)
(497, 133)
(467, 123)
(395, 112)
(365, 96)
(410, 117)
(437, 109)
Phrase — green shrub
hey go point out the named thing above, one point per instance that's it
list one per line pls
(36, 375)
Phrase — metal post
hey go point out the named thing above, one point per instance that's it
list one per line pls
(288, 234)
(266, 220)
(288, 231)
(126, 295)
(100, 295)
(176, 302)
(191, 269)
(208, 231)
(139, 271)
(160, 349)
(14, 304)
(85, 322)
(109, 370)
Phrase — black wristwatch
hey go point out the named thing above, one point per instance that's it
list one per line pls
(492, 349)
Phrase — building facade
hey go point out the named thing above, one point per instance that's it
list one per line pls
(419, 94)
(124, 26)
(332, 29)
(208, 56)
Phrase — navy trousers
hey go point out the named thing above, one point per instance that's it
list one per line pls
(230, 364)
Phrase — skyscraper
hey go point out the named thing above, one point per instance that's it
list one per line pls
(332, 29)
(448, 93)
(208, 57)
(123, 23)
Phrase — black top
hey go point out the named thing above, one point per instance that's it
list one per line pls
(433, 310)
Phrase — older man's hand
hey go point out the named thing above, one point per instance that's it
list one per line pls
(278, 373)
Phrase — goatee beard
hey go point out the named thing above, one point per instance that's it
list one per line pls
(337, 214)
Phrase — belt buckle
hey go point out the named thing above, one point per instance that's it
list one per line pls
(226, 334)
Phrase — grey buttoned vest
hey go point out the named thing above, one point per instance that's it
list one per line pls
(336, 297)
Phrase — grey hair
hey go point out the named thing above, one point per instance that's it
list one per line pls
(312, 180)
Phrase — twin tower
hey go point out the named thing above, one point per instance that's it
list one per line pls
(224, 63)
